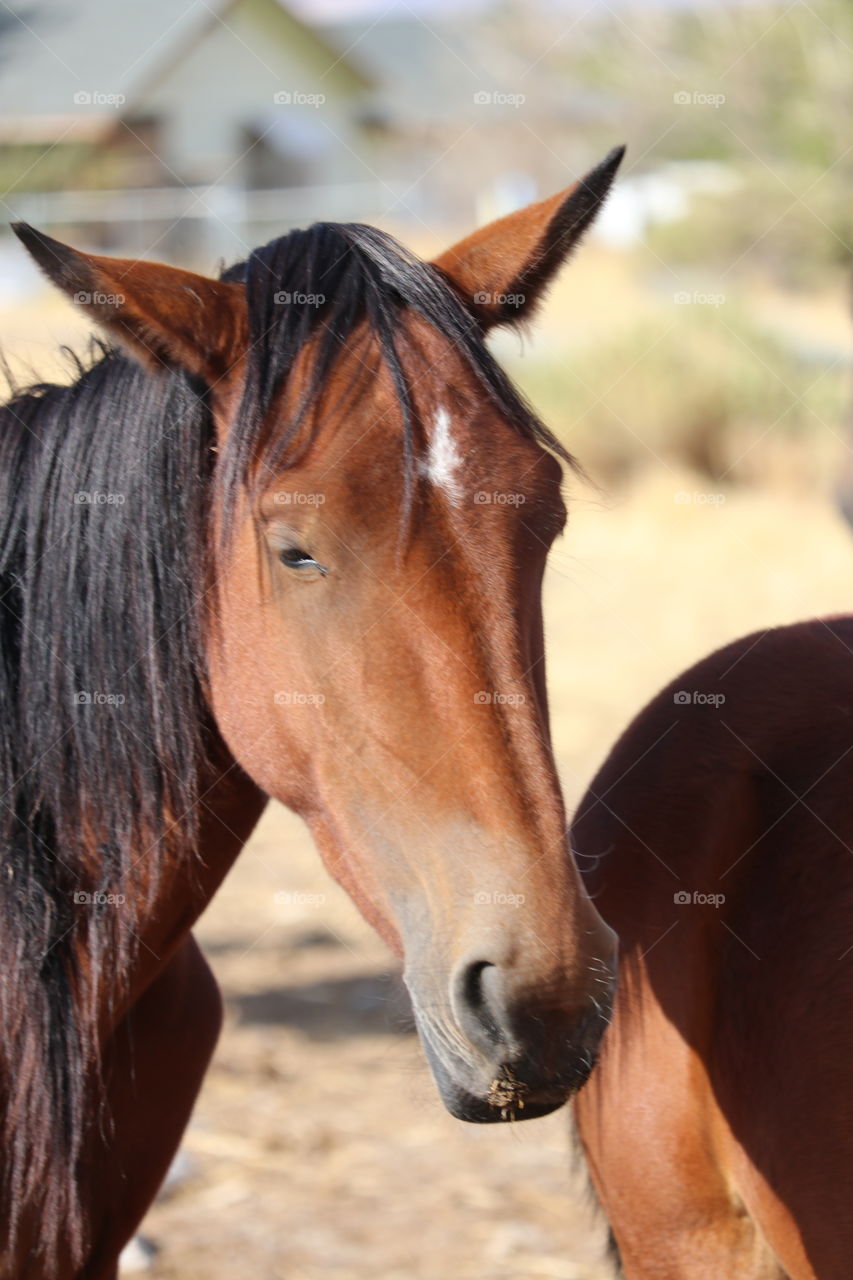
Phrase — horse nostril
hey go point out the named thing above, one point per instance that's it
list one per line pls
(478, 1005)
(513, 1024)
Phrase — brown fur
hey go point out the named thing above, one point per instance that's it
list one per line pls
(717, 1126)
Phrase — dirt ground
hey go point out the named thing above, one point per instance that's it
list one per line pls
(319, 1149)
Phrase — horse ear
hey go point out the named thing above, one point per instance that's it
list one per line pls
(502, 270)
(164, 316)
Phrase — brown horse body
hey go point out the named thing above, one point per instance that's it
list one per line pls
(717, 840)
(370, 654)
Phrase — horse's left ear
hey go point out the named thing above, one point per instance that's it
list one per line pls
(164, 316)
(502, 270)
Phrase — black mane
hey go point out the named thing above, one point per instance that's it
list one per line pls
(106, 492)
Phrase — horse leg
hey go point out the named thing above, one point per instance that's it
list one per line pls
(661, 1161)
(155, 1062)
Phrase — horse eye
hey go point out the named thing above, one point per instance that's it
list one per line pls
(296, 558)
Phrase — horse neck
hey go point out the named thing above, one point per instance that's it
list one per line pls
(229, 807)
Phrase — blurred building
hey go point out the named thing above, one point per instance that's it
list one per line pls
(474, 122)
(197, 130)
(129, 118)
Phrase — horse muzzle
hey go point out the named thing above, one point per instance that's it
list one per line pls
(496, 1057)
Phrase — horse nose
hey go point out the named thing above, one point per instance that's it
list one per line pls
(549, 1037)
(480, 1008)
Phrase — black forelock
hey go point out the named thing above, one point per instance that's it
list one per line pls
(327, 284)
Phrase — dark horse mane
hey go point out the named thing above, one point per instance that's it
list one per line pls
(106, 491)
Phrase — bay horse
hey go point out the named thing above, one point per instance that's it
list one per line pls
(244, 554)
(717, 839)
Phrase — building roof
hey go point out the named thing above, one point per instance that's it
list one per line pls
(69, 68)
